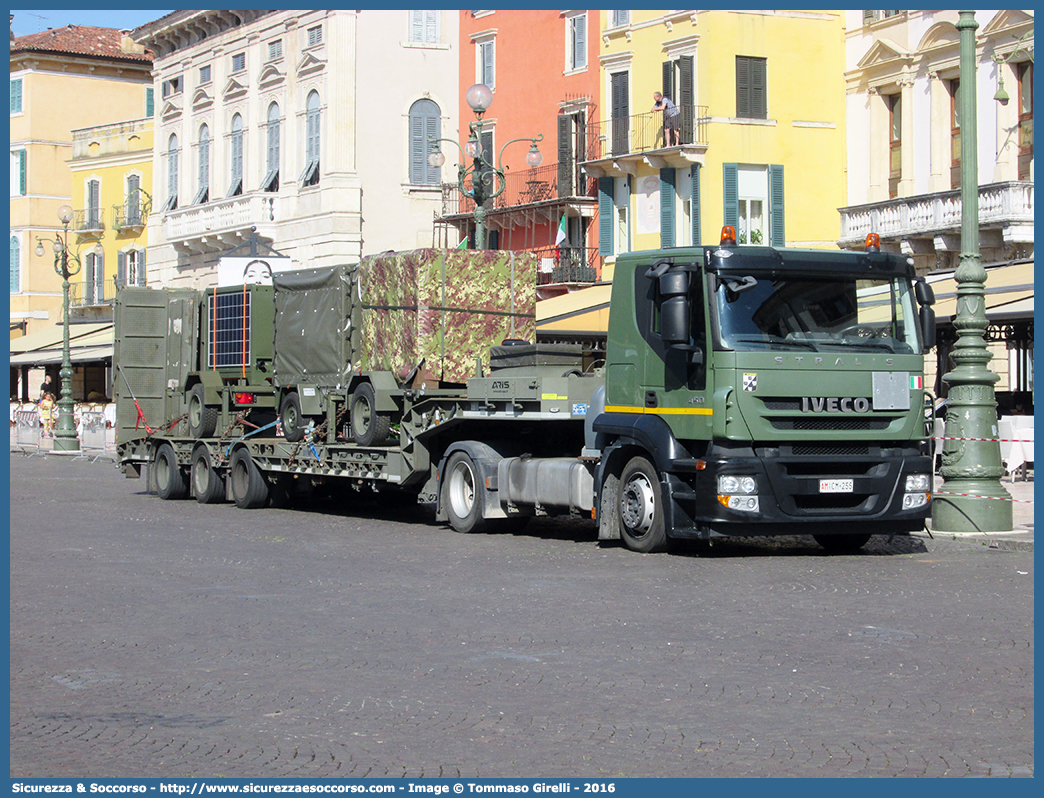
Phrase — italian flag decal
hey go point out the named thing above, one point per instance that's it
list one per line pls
(916, 382)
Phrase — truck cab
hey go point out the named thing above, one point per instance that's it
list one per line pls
(750, 390)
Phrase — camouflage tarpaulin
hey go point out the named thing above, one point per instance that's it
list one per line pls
(445, 307)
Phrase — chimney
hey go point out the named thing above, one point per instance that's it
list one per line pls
(128, 45)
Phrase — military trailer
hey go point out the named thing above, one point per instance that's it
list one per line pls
(746, 390)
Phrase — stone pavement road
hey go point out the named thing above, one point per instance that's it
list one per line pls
(170, 639)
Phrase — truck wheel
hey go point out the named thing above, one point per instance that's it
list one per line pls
(170, 481)
(202, 420)
(207, 484)
(462, 494)
(641, 507)
(249, 488)
(293, 424)
(842, 544)
(368, 426)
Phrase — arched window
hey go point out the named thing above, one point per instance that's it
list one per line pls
(236, 187)
(310, 175)
(172, 173)
(203, 192)
(425, 126)
(16, 264)
(271, 181)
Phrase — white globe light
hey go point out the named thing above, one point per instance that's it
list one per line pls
(479, 97)
(534, 158)
(437, 159)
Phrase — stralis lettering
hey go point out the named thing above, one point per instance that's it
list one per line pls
(833, 404)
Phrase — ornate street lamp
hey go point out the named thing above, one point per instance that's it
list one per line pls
(972, 499)
(65, 439)
(486, 180)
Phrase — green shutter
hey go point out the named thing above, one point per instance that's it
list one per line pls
(730, 179)
(150, 101)
(667, 80)
(16, 96)
(777, 230)
(141, 267)
(605, 216)
(23, 183)
(565, 155)
(742, 87)
(667, 182)
(121, 269)
(695, 172)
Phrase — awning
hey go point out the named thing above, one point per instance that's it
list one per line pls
(581, 312)
(1009, 293)
(87, 343)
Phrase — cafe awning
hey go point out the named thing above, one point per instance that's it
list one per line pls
(87, 343)
(1009, 293)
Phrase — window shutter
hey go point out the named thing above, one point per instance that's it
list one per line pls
(777, 231)
(620, 113)
(580, 41)
(605, 216)
(487, 63)
(16, 96)
(121, 269)
(417, 26)
(94, 204)
(742, 87)
(141, 267)
(133, 203)
(730, 180)
(23, 181)
(686, 100)
(667, 80)
(869, 16)
(695, 173)
(758, 88)
(16, 257)
(431, 27)
(565, 155)
(667, 183)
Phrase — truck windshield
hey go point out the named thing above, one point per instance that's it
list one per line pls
(816, 312)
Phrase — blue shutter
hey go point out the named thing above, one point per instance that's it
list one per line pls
(730, 180)
(667, 181)
(695, 172)
(121, 269)
(605, 216)
(16, 265)
(777, 231)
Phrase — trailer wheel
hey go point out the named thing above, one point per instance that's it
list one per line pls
(641, 507)
(249, 488)
(842, 544)
(368, 426)
(293, 423)
(207, 484)
(462, 494)
(170, 481)
(202, 420)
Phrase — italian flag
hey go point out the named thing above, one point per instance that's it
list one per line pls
(916, 383)
(561, 232)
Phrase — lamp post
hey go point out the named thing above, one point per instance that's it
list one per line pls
(65, 439)
(487, 180)
(972, 499)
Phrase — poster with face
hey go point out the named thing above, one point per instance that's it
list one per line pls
(250, 271)
(648, 205)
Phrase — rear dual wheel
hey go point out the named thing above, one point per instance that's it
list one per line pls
(170, 480)
(207, 484)
(249, 488)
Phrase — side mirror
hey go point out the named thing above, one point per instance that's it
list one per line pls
(927, 318)
(674, 307)
(924, 293)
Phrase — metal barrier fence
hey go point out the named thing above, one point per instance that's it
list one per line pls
(27, 429)
(92, 431)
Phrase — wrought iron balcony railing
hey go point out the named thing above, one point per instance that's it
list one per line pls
(134, 212)
(625, 135)
(566, 265)
(88, 220)
(549, 183)
(90, 293)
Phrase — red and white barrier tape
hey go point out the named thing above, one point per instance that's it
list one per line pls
(997, 440)
(975, 496)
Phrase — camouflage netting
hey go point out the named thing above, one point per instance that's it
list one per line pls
(442, 307)
(445, 307)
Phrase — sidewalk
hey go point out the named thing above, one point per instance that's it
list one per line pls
(1021, 536)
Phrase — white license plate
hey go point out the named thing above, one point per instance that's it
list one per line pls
(836, 486)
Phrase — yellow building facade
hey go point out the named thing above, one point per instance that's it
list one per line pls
(61, 79)
(755, 139)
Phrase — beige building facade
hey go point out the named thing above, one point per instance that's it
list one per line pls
(296, 126)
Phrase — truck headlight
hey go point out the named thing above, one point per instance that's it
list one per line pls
(918, 483)
(738, 493)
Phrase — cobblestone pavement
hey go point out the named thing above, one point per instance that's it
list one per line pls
(153, 638)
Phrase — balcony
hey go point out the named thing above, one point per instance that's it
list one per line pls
(132, 215)
(88, 220)
(219, 225)
(617, 144)
(1005, 217)
(89, 294)
(545, 185)
(567, 265)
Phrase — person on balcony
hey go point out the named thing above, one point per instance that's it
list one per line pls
(671, 119)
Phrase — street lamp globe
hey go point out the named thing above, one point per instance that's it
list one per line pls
(437, 159)
(473, 149)
(479, 97)
(57, 246)
(65, 214)
(533, 157)
(39, 250)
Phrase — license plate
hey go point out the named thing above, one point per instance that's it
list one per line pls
(836, 486)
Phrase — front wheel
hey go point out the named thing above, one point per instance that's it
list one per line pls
(640, 502)
(842, 544)
(249, 488)
(170, 481)
(462, 494)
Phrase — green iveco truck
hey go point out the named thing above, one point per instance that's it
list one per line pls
(746, 391)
